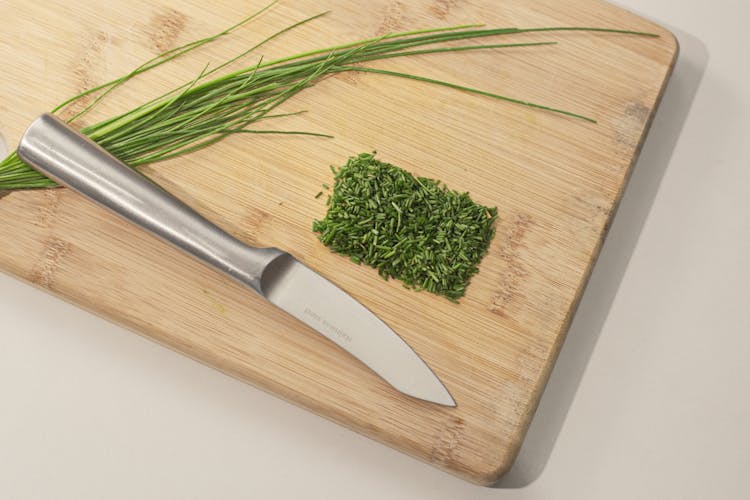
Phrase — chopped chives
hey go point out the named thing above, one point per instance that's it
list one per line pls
(436, 242)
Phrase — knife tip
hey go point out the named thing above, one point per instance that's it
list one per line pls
(446, 400)
(437, 394)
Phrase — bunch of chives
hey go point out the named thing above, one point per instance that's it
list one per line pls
(209, 108)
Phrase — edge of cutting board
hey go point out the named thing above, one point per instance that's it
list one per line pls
(507, 462)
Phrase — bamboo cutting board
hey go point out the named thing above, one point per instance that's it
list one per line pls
(555, 180)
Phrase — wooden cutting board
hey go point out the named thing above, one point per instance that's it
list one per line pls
(555, 180)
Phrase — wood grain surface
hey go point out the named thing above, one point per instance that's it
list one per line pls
(555, 180)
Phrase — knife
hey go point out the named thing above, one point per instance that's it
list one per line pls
(73, 160)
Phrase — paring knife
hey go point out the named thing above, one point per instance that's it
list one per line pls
(64, 155)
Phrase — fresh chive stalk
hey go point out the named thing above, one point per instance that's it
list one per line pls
(209, 108)
(410, 228)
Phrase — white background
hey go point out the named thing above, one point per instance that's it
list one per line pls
(649, 398)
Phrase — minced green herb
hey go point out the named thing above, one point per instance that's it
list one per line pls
(410, 228)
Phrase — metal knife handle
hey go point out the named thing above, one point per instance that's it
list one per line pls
(71, 159)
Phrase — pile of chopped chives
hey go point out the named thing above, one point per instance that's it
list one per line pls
(410, 228)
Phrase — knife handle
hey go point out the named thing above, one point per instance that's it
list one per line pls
(73, 160)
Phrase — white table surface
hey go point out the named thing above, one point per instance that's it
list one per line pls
(650, 398)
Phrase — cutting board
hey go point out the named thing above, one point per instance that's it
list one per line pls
(555, 180)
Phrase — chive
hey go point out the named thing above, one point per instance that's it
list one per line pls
(433, 240)
(204, 111)
(319, 195)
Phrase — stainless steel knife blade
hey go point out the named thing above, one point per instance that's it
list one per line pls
(61, 153)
